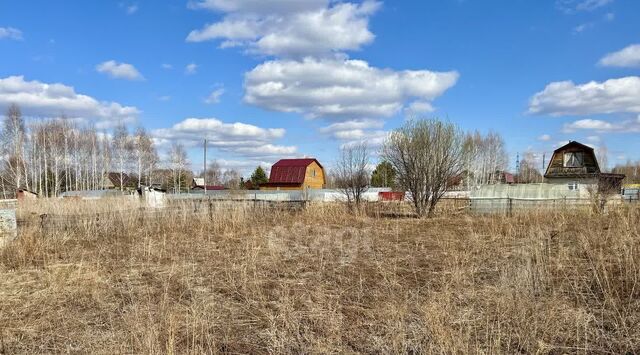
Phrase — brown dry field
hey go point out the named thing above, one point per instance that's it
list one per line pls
(245, 280)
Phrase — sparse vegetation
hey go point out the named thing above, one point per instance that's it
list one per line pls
(242, 279)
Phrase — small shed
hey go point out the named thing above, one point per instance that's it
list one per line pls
(153, 197)
(23, 194)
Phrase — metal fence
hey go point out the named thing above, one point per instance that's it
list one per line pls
(319, 195)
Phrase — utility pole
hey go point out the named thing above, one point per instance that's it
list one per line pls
(204, 176)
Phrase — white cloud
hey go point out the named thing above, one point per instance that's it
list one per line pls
(352, 132)
(626, 126)
(544, 138)
(583, 27)
(628, 57)
(214, 97)
(594, 139)
(259, 6)
(572, 6)
(566, 98)
(289, 28)
(164, 98)
(167, 66)
(10, 33)
(340, 89)
(132, 9)
(353, 125)
(610, 16)
(191, 68)
(417, 108)
(243, 165)
(590, 124)
(237, 138)
(37, 99)
(266, 150)
(119, 70)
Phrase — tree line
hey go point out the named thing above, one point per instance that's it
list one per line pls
(425, 158)
(52, 156)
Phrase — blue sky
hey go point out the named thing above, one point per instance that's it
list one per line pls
(264, 79)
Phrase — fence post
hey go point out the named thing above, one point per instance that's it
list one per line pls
(510, 206)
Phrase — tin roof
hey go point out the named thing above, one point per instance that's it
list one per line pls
(290, 171)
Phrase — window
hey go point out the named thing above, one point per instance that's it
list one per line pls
(313, 172)
(573, 186)
(573, 160)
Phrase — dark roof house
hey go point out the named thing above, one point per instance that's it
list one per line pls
(576, 161)
(112, 180)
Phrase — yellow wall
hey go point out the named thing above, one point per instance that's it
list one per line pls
(317, 181)
(310, 181)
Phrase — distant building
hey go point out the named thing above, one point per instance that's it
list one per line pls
(24, 194)
(112, 180)
(197, 184)
(296, 174)
(576, 165)
(503, 177)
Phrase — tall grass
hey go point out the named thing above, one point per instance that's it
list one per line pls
(241, 279)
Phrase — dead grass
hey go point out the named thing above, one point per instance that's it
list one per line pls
(241, 280)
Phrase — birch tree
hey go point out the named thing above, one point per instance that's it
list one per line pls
(178, 163)
(486, 159)
(13, 139)
(122, 147)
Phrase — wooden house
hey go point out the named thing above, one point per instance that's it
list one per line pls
(296, 174)
(576, 165)
(112, 181)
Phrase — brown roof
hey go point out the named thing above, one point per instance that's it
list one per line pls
(289, 171)
(115, 179)
(573, 144)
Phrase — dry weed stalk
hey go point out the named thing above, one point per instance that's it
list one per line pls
(243, 279)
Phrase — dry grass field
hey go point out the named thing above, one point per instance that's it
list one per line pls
(245, 280)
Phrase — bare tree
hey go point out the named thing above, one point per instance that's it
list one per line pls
(602, 155)
(601, 192)
(351, 174)
(178, 162)
(631, 170)
(426, 155)
(231, 179)
(13, 140)
(487, 158)
(528, 173)
(214, 173)
(146, 155)
(122, 146)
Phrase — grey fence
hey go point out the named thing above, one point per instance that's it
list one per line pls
(509, 205)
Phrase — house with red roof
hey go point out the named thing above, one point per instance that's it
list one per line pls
(296, 174)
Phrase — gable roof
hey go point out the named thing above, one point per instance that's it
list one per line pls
(114, 178)
(573, 144)
(556, 169)
(290, 171)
